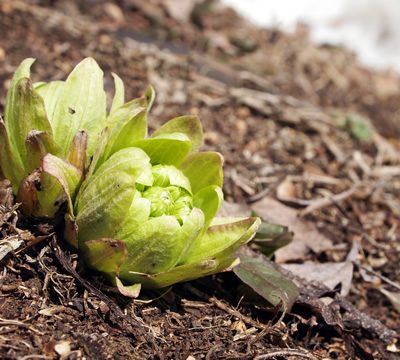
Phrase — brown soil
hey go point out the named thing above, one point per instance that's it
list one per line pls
(276, 107)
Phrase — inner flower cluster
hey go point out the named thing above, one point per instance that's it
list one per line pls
(165, 196)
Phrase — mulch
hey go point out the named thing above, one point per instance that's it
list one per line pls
(286, 115)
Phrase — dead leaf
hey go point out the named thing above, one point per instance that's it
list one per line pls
(180, 10)
(114, 12)
(63, 348)
(330, 274)
(9, 245)
(286, 190)
(261, 275)
(393, 297)
(392, 347)
(131, 291)
(306, 238)
(6, 195)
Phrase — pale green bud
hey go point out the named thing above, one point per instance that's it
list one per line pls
(170, 200)
(161, 201)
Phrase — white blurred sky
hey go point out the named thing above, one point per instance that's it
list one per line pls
(371, 28)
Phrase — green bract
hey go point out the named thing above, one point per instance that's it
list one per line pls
(63, 118)
(142, 211)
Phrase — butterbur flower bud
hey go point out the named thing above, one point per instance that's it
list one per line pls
(159, 226)
(141, 210)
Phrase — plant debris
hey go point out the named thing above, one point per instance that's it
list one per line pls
(276, 107)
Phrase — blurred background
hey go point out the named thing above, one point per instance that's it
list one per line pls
(371, 28)
(342, 54)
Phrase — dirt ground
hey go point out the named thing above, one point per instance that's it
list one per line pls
(310, 138)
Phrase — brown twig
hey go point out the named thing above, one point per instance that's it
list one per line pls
(287, 352)
(5, 322)
(326, 201)
(220, 305)
(380, 276)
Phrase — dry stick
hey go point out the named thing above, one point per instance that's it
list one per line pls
(286, 352)
(220, 305)
(259, 195)
(5, 322)
(326, 201)
(380, 276)
(34, 242)
(38, 356)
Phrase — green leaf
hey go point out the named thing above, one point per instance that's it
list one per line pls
(139, 212)
(81, 106)
(203, 169)
(146, 177)
(10, 165)
(128, 133)
(131, 291)
(150, 246)
(51, 195)
(186, 272)
(119, 96)
(50, 93)
(98, 152)
(222, 239)
(23, 71)
(209, 200)
(177, 274)
(155, 244)
(191, 229)
(105, 198)
(150, 96)
(126, 125)
(66, 174)
(38, 84)
(127, 113)
(261, 275)
(359, 127)
(102, 207)
(132, 161)
(105, 255)
(166, 149)
(26, 113)
(38, 144)
(271, 237)
(166, 175)
(188, 125)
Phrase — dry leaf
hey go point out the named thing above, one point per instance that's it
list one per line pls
(286, 191)
(266, 280)
(63, 348)
(330, 274)
(393, 297)
(180, 10)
